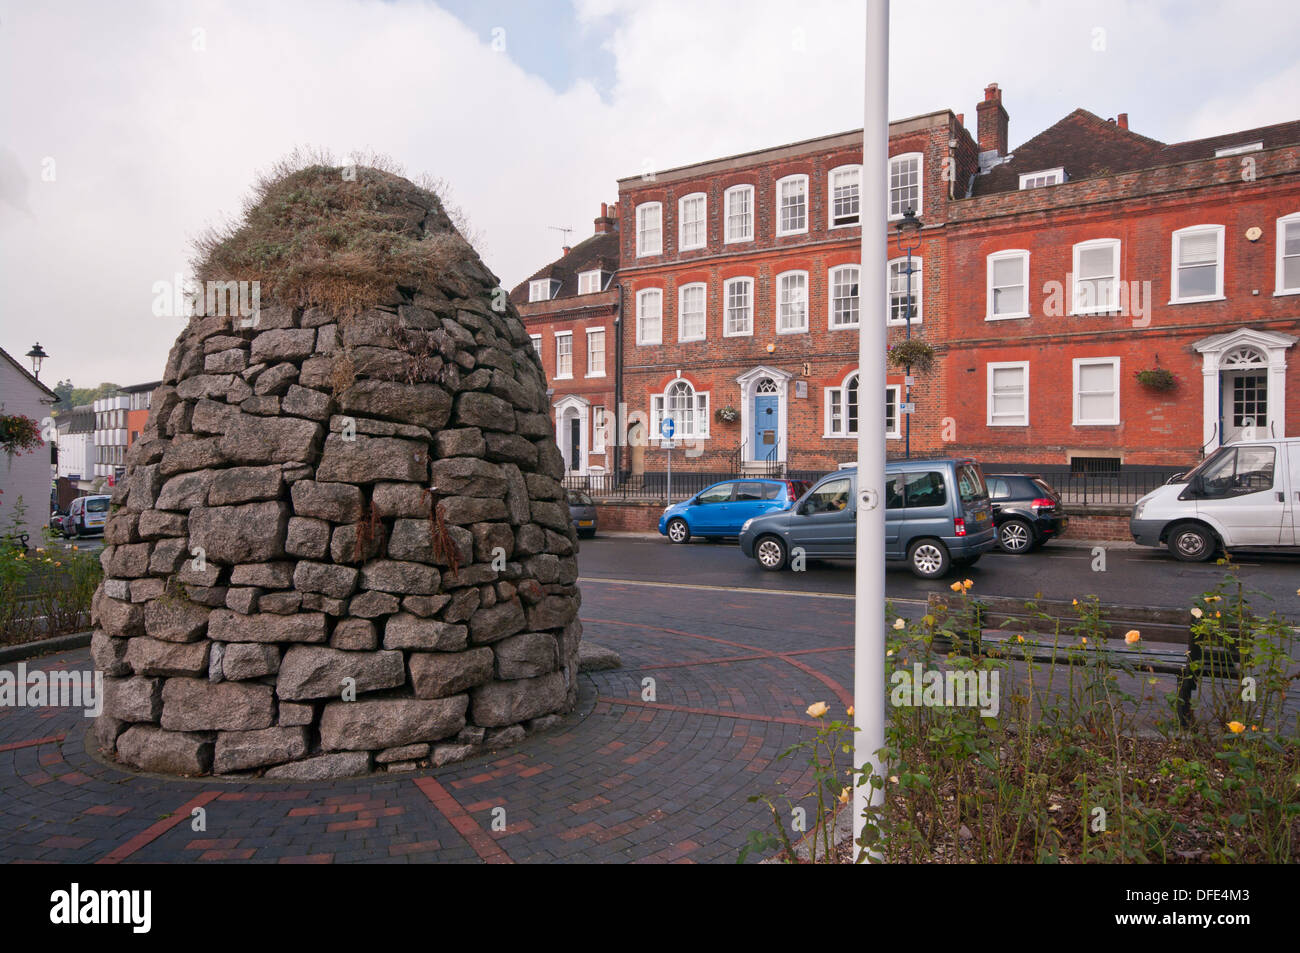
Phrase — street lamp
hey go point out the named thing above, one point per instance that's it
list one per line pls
(908, 227)
(36, 355)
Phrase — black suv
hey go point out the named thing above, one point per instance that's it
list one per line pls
(1026, 511)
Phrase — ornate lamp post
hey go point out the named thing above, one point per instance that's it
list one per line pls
(36, 355)
(909, 228)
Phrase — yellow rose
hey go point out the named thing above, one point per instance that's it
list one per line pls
(1236, 727)
(1020, 638)
(899, 624)
(849, 711)
(1074, 602)
(1197, 613)
(1085, 640)
(845, 796)
(1132, 635)
(817, 709)
(955, 587)
(966, 583)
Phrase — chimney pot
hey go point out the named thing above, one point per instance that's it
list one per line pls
(992, 94)
(1123, 120)
(566, 250)
(961, 119)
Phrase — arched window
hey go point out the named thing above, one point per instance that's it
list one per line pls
(843, 404)
(688, 409)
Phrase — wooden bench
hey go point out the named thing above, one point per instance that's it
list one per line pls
(1168, 644)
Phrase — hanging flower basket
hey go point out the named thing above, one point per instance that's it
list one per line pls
(19, 434)
(1157, 378)
(727, 414)
(914, 353)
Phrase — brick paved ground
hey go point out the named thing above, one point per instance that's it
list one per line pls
(622, 780)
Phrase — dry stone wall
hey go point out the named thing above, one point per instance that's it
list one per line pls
(341, 544)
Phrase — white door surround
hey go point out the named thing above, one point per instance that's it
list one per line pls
(568, 409)
(1224, 357)
(749, 383)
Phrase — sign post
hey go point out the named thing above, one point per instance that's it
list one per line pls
(667, 428)
(869, 582)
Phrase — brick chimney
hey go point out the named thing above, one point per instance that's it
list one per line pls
(992, 121)
(605, 220)
(1123, 120)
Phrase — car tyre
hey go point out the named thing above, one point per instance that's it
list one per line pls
(771, 553)
(1015, 537)
(1192, 543)
(678, 531)
(928, 558)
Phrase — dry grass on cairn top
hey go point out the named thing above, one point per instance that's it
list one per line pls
(338, 236)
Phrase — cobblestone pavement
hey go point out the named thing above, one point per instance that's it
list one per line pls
(623, 779)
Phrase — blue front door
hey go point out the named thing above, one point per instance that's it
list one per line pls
(765, 426)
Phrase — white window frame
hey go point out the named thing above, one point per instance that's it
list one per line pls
(541, 289)
(830, 298)
(1114, 418)
(601, 352)
(918, 275)
(585, 278)
(992, 366)
(727, 236)
(896, 391)
(780, 281)
(836, 398)
(1029, 180)
(779, 207)
(537, 346)
(641, 297)
(988, 286)
(1282, 223)
(682, 243)
(920, 184)
(559, 374)
(855, 170)
(599, 428)
(1176, 238)
(1079, 248)
(643, 248)
(701, 405)
(704, 313)
(726, 298)
(1238, 150)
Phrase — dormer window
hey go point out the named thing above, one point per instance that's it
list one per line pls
(590, 282)
(1238, 150)
(543, 289)
(1035, 180)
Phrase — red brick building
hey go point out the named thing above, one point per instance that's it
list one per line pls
(740, 289)
(1091, 255)
(570, 308)
(1094, 299)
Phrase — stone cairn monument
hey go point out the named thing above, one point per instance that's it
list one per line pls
(341, 544)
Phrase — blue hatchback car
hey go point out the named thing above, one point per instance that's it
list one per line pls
(723, 508)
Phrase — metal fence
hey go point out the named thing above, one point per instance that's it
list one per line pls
(1075, 485)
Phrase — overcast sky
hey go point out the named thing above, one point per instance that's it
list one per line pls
(127, 127)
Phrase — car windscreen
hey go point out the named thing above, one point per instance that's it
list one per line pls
(580, 499)
(970, 483)
(1199, 469)
(97, 505)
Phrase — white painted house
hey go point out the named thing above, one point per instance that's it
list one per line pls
(26, 476)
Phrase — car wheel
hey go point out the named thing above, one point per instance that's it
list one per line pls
(1191, 543)
(928, 558)
(770, 553)
(678, 531)
(1015, 537)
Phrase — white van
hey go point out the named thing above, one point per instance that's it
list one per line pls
(1243, 496)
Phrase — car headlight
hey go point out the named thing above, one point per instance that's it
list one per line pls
(1138, 508)
(747, 524)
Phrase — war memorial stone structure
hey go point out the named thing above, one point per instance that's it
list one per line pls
(341, 544)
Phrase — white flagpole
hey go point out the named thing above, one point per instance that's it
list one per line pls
(869, 591)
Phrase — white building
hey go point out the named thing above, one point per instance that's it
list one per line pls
(77, 445)
(27, 476)
(110, 435)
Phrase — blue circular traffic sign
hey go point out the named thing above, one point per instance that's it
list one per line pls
(667, 428)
